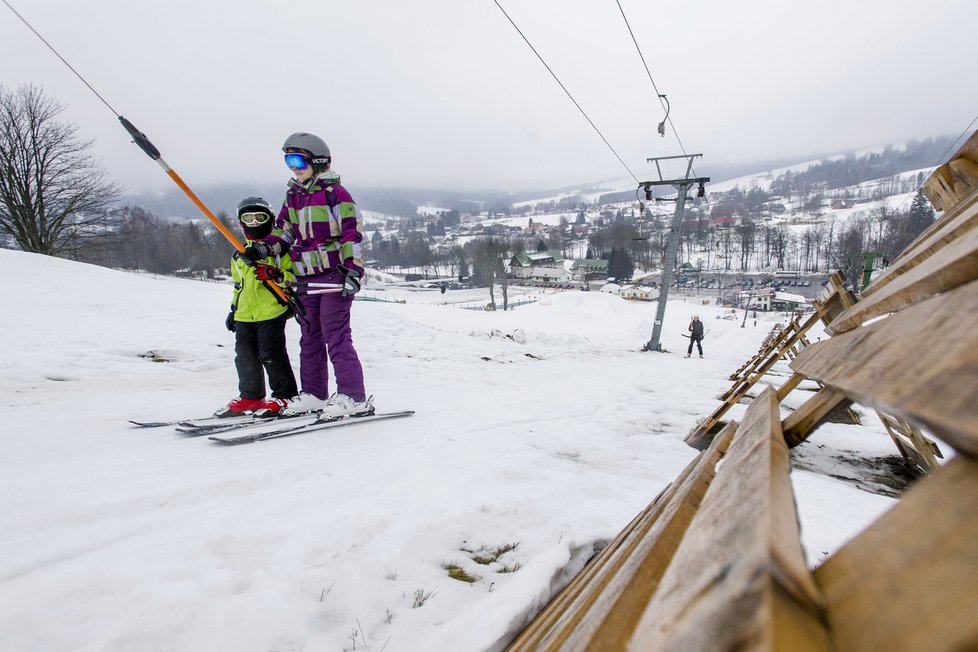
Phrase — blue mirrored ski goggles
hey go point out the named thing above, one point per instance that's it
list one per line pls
(297, 161)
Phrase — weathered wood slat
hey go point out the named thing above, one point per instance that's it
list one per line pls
(810, 414)
(951, 226)
(955, 180)
(916, 449)
(789, 386)
(955, 265)
(599, 608)
(739, 581)
(957, 221)
(920, 365)
(908, 582)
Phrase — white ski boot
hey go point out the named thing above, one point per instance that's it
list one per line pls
(301, 404)
(341, 405)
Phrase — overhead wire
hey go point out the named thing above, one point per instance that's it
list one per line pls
(561, 84)
(58, 54)
(941, 157)
(659, 95)
(955, 141)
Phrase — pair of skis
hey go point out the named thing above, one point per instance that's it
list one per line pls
(247, 429)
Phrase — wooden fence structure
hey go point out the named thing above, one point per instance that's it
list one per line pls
(715, 562)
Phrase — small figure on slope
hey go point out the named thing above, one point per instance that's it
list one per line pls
(320, 226)
(695, 329)
(258, 319)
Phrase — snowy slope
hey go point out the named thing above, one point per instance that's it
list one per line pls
(119, 539)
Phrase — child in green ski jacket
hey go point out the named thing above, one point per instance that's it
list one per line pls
(258, 319)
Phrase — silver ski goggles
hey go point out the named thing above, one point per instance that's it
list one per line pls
(254, 219)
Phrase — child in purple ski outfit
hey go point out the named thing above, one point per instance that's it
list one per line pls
(319, 225)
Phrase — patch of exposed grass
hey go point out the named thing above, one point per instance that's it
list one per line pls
(456, 572)
(485, 557)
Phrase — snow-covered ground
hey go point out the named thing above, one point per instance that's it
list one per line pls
(538, 432)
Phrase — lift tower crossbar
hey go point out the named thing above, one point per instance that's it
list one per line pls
(682, 186)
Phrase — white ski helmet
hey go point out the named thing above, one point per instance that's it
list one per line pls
(313, 145)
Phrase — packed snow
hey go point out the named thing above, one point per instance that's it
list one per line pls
(539, 433)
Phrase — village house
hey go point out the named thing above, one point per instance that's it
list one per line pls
(770, 299)
(638, 293)
(584, 269)
(538, 266)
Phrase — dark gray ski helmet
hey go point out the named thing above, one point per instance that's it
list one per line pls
(317, 148)
(254, 205)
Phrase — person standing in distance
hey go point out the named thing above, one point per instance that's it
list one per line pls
(695, 335)
(320, 226)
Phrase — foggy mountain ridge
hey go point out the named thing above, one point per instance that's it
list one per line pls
(171, 203)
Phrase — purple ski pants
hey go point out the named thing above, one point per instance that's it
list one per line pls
(327, 335)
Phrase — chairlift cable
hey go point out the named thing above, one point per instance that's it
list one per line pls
(659, 95)
(591, 122)
(941, 158)
(57, 54)
(955, 141)
(143, 142)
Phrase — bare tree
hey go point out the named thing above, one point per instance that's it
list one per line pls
(780, 239)
(488, 257)
(746, 234)
(53, 195)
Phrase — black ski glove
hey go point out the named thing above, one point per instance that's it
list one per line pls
(257, 251)
(229, 322)
(351, 280)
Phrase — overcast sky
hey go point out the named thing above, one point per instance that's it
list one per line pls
(446, 94)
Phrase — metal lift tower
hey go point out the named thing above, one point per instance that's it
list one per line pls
(682, 186)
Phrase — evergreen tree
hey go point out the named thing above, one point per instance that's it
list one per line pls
(620, 264)
(921, 214)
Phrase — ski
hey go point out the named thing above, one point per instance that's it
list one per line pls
(153, 424)
(262, 435)
(210, 422)
(206, 427)
(196, 423)
(207, 423)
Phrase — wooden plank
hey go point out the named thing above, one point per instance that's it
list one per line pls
(739, 580)
(907, 583)
(951, 184)
(919, 365)
(789, 385)
(606, 599)
(917, 449)
(785, 338)
(955, 265)
(811, 414)
(957, 222)
(952, 181)
(697, 436)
